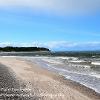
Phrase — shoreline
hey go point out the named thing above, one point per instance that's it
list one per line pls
(73, 84)
(31, 73)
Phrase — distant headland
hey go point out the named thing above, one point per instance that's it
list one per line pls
(22, 49)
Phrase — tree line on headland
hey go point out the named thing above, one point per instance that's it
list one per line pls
(22, 49)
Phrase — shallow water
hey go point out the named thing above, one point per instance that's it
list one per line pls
(82, 72)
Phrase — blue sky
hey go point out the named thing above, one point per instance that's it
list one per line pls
(56, 24)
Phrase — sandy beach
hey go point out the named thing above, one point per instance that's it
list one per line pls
(23, 80)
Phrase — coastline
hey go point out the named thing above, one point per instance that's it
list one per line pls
(47, 83)
(72, 84)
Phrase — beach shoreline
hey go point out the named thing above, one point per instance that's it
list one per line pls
(45, 84)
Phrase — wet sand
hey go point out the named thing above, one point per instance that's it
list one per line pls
(27, 81)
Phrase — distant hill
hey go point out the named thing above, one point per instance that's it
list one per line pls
(22, 49)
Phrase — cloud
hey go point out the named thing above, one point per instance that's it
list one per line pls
(65, 45)
(3, 44)
(58, 45)
(55, 6)
(33, 44)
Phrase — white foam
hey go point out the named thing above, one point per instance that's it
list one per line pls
(95, 75)
(9, 56)
(67, 77)
(86, 66)
(95, 63)
(52, 61)
(77, 61)
(67, 58)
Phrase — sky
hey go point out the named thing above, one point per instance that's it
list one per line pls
(55, 24)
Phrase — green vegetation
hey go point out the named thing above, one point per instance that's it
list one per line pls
(22, 49)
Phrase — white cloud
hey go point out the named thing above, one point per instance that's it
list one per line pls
(58, 45)
(65, 45)
(61, 44)
(55, 6)
(3, 44)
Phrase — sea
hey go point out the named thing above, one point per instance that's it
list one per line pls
(82, 67)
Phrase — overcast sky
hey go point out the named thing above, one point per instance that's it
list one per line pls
(56, 24)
